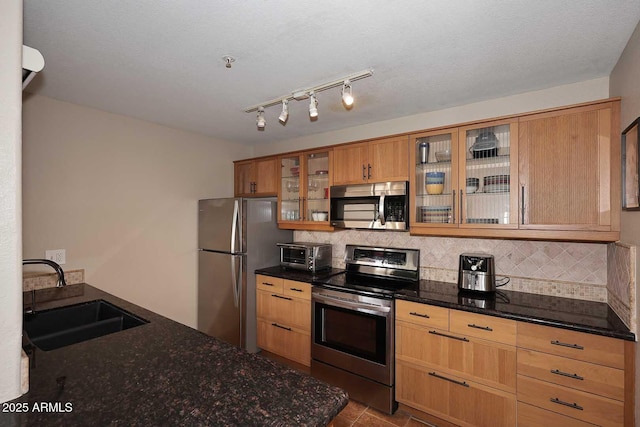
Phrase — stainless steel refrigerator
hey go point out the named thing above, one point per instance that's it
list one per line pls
(236, 236)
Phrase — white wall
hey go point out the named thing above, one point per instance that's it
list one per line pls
(120, 195)
(589, 90)
(624, 83)
(10, 240)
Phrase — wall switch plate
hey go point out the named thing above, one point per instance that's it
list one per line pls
(56, 255)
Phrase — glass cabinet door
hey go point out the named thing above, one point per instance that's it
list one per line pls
(488, 180)
(290, 188)
(317, 186)
(436, 177)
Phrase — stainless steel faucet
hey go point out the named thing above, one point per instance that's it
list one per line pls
(55, 265)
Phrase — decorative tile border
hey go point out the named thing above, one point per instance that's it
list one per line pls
(35, 281)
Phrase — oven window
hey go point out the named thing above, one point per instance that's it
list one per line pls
(294, 256)
(359, 334)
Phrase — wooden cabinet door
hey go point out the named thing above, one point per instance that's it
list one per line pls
(243, 178)
(285, 341)
(266, 177)
(284, 310)
(388, 160)
(350, 164)
(569, 169)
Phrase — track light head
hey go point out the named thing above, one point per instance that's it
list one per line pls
(313, 106)
(260, 121)
(285, 112)
(347, 94)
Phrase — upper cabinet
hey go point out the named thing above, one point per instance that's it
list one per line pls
(570, 173)
(378, 160)
(256, 178)
(303, 193)
(462, 178)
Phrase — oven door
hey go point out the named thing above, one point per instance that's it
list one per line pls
(353, 332)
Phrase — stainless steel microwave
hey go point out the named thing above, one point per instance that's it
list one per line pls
(307, 256)
(382, 206)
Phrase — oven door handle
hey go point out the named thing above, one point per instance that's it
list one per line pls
(381, 209)
(352, 305)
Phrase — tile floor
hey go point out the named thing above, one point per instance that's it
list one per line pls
(356, 414)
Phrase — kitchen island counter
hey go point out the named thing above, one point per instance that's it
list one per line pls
(165, 373)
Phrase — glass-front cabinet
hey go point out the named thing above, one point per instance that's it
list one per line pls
(303, 195)
(462, 178)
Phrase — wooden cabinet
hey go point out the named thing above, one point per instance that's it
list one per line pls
(303, 194)
(478, 167)
(445, 371)
(570, 172)
(379, 160)
(256, 177)
(284, 318)
(567, 375)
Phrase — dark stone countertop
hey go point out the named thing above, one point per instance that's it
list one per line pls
(165, 373)
(299, 275)
(578, 315)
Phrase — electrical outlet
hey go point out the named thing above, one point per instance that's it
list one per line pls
(56, 255)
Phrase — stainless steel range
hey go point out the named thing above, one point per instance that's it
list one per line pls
(352, 338)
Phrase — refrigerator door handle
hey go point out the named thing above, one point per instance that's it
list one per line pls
(234, 226)
(235, 283)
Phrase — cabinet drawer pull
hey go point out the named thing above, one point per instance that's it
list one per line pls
(281, 297)
(462, 383)
(426, 316)
(448, 336)
(570, 405)
(281, 327)
(564, 344)
(484, 328)
(566, 374)
(296, 290)
(268, 284)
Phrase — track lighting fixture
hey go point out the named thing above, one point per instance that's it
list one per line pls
(285, 112)
(347, 94)
(308, 93)
(261, 122)
(313, 106)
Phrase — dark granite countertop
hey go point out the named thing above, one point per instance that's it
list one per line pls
(165, 373)
(299, 275)
(578, 315)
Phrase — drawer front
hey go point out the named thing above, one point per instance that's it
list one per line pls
(576, 345)
(598, 379)
(532, 416)
(283, 310)
(269, 284)
(482, 326)
(284, 341)
(423, 314)
(572, 403)
(297, 289)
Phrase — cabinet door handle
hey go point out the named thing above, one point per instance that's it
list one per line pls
(281, 297)
(364, 176)
(369, 170)
(296, 289)
(462, 383)
(566, 374)
(461, 212)
(281, 327)
(484, 328)
(440, 334)
(426, 316)
(522, 204)
(570, 405)
(453, 208)
(564, 344)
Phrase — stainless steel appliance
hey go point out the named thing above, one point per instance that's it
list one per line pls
(352, 328)
(383, 205)
(477, 272)
(307, 256)
(235, 237)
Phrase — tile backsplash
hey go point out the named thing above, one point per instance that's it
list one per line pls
(621, 295)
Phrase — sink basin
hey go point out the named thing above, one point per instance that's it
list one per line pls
(63, 326)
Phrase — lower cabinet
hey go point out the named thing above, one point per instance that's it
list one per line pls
(283, 309)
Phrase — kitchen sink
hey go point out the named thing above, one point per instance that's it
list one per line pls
(63, 326)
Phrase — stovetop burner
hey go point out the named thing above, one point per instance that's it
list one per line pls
(367, 284)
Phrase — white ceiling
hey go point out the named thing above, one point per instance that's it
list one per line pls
(162, 60)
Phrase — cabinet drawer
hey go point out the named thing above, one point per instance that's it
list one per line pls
(598, 379)
(532, 416)
(576, 345)
(283, 309)
(423, 314)
(269, 283)
(482, 326)
(573, 403)
(284, 341)
(297, 289)
(453, 398)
